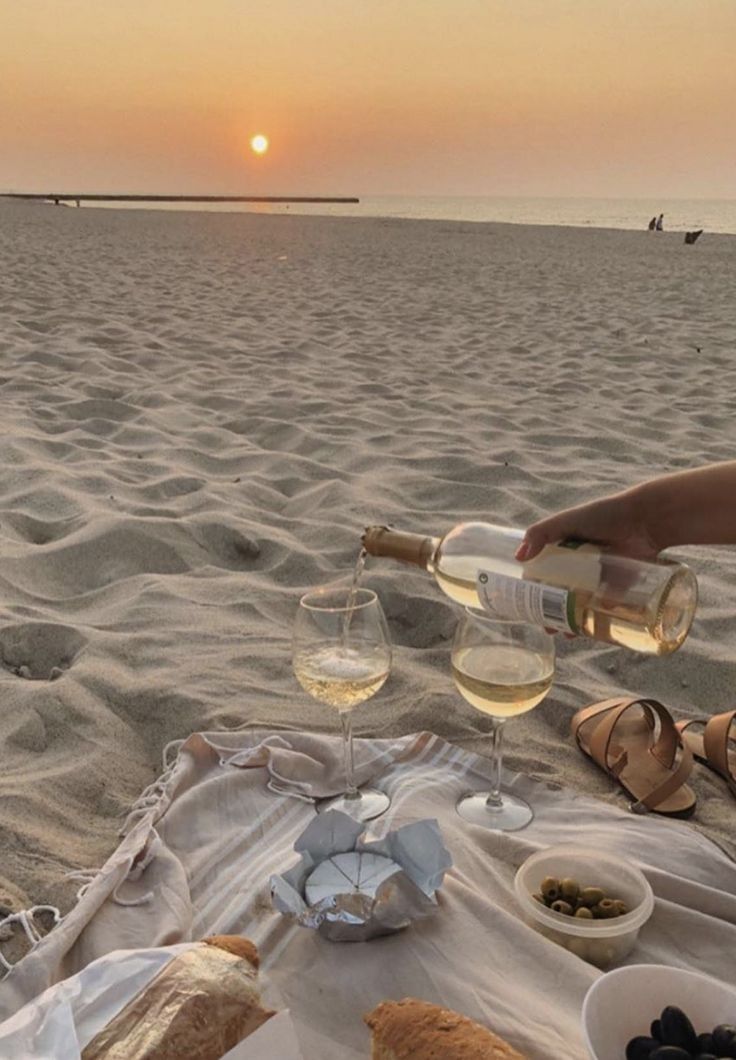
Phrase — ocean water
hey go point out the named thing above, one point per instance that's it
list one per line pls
(713, 215)
(679, 215)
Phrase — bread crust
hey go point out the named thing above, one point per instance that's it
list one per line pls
(237, 945)
(417, 1030)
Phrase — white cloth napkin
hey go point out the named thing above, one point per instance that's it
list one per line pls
(316, 768)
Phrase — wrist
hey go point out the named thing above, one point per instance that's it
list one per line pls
(651, 513)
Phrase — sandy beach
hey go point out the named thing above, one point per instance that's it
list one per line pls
(200, 413)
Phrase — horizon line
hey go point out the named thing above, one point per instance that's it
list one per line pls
(100, 197)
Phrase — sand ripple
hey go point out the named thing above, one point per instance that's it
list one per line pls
(199, 415)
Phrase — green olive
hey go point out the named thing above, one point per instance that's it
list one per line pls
(561, 906)
(621, 907)
(569, 889)
(550, 888)
(583, 913)
(607, 908)
(591, 896)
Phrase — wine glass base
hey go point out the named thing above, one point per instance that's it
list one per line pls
(370, 803)
(511, 815)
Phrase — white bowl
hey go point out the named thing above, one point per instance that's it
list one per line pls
(622, 1004)
(601, 942)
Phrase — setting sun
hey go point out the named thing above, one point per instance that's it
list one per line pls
(259, 144)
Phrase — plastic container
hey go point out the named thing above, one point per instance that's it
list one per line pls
(600, 942)
(621, 1005)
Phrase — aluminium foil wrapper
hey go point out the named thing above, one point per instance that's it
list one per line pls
(410, 894)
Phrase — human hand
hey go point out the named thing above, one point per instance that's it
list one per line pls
(615, 521)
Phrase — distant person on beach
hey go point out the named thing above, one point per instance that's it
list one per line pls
(695, 507)
(653, 224)
(659, 223)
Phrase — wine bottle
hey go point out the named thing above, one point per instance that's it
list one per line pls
(574, 586)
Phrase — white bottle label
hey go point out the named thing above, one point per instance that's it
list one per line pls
(525, 601)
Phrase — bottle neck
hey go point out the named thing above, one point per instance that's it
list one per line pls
(394, 544)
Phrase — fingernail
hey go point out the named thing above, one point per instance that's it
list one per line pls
(522, 551)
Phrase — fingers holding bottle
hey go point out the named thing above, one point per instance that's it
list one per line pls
(615, 522)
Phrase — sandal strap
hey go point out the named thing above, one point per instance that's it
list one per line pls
(603, 749)
(715, 743)
(602, 743)
(586, 714)
(667, 787)
(670, 741)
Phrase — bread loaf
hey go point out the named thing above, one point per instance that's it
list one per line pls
(416, 1030)
(198, 1007)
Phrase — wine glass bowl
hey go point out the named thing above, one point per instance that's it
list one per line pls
(502, 668)
(341, 657)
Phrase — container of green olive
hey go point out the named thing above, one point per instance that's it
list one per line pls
(592, 903)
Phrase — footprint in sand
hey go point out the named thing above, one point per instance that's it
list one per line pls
(39, 651)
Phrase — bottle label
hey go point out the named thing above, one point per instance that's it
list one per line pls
(525, 601)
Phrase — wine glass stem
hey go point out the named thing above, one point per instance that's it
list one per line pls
(494, 800)
(346, 718)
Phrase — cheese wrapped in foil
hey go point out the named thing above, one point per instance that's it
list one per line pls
(413, 861)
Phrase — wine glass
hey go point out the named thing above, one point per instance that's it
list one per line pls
(342, 656)
(503, 669)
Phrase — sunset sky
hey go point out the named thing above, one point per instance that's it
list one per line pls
(359, 97)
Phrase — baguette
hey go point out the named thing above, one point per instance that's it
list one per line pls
(416, 1030)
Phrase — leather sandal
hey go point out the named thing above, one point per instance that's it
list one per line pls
(619, 735)
(715, 746)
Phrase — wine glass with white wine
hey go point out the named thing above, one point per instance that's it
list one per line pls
(341, 657)
(502, 669)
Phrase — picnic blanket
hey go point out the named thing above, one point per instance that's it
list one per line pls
(62, 1022)
(202, 843)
